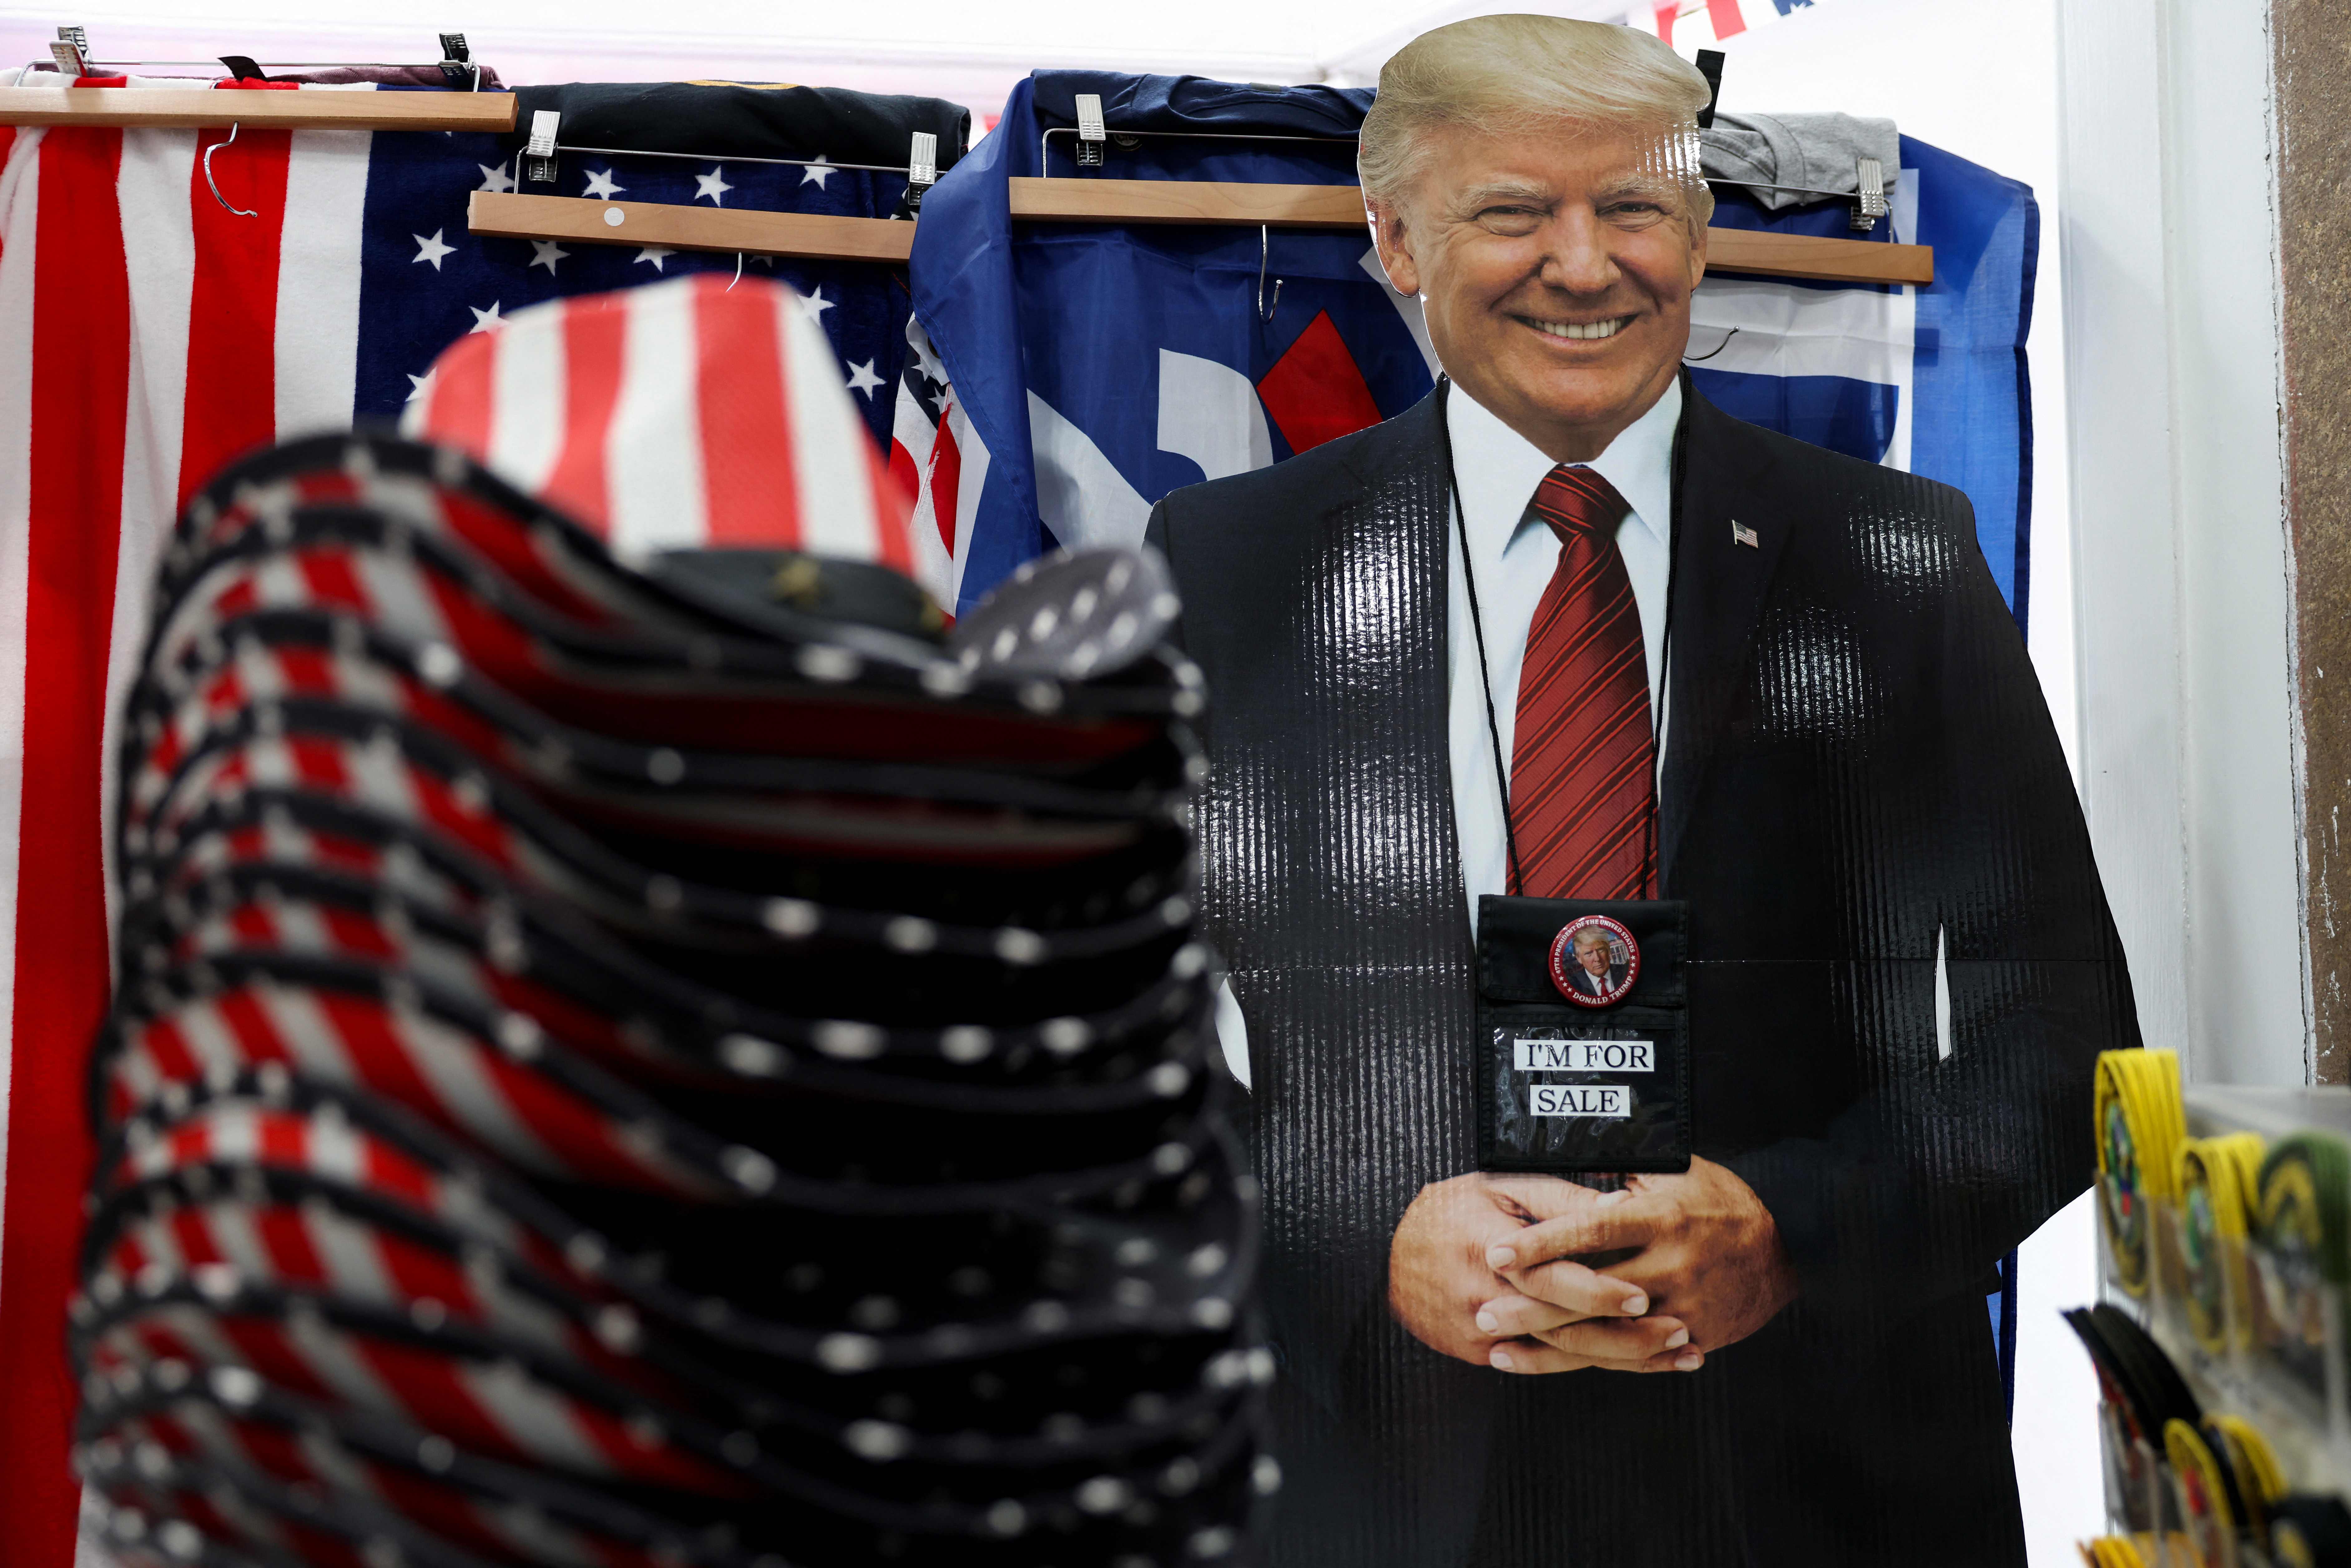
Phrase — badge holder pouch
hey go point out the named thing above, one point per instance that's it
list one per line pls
(1578, 1071)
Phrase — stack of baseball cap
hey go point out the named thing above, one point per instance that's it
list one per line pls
(635, 1042)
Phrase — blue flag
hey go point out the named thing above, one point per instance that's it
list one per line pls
(1065, 376)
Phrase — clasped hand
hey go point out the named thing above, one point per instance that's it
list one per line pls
(1489, 1270)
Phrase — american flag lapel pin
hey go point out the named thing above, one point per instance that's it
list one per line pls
(1741, 534)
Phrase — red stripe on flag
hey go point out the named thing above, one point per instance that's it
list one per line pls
(909, 478)
(1724, 14)
(80, 395)
(1665, 15)
(947, 477)
(231, 397)
(892, 503)
(595, 355)
(463, 409)
(750, 495)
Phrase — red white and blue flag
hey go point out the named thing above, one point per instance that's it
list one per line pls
(148, 334)
(1694, 24)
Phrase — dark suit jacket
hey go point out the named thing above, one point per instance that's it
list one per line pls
(1859, 768)
(1581, 977)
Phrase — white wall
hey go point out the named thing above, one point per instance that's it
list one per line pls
(2188, 761)
(1982, 81)
(967, 53)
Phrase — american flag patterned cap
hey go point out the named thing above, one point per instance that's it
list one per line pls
(687, 414)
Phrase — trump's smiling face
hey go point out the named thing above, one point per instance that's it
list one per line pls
(1555, 270)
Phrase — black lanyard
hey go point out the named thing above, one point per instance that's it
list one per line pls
(1478, 624)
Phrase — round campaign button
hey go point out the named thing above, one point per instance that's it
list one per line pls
(1594, 961)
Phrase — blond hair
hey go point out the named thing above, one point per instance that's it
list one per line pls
(1512, 74)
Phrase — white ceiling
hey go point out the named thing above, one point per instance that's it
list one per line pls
(955, 48)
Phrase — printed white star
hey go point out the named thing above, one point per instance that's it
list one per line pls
(817, 169)
(813, 305)
(602, 185)
(483, 320)
(928, 360)
(861, 379)
(655, 255)
(433, 250)
(546, 253)
(495, 179)
(419, 385)
(713, 186)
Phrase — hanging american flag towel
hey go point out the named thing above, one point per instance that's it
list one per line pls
(1063, 377)
(147, 334)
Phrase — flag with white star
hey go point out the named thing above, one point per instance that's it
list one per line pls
(149, 334)
(939, 464)
(424, 280)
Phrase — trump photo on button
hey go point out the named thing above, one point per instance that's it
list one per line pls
(1594, 971)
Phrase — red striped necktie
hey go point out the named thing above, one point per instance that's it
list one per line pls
(1583, 802)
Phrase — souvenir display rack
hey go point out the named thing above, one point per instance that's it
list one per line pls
(2224, 1420)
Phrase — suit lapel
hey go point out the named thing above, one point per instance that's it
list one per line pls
(1728, 537)
(1406, 510)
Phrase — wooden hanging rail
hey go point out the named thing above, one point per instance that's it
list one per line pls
(1818, 258)
(1342, 207)
(518, 217)
(174, 108)
(1188, 201)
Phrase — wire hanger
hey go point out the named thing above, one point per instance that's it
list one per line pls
(224, 201)
(1264, 250)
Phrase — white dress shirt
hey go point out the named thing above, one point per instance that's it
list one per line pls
(1499, 470)
(1514, 553)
